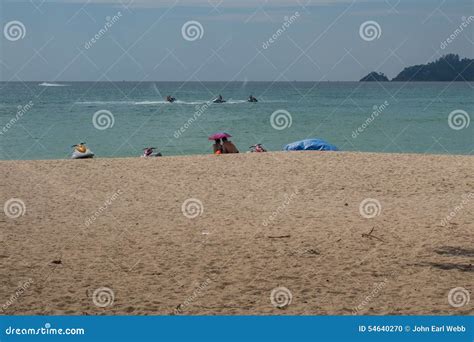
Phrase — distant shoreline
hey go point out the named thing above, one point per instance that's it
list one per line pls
(210, 155)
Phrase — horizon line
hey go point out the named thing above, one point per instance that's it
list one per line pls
(224, 81)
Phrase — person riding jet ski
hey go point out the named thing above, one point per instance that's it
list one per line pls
(81, 151)
(170, 99)
(252, 99)
(150, 152)
(219, 99)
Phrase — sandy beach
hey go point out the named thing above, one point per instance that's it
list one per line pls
(275, 233)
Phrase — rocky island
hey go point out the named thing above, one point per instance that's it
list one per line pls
(375, 77)
(446, 69)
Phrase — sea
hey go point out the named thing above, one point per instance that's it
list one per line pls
(42, 120)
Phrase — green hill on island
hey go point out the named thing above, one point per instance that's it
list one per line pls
(375, 76)
(445, 69)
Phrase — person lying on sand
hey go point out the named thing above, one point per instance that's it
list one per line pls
(217, 147)
(228, 146)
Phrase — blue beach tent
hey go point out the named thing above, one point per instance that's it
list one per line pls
(310, 145)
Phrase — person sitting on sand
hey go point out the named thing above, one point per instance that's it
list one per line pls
(217, 147)
(228, 146)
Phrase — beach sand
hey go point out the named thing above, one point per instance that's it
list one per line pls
(277, 222)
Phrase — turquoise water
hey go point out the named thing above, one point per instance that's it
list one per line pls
(391, 117)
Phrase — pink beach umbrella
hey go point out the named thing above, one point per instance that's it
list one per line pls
(219, 135)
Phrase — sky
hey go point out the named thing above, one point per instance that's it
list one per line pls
(147, 40)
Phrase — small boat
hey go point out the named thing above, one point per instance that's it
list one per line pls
(170, 99)
(81, 151)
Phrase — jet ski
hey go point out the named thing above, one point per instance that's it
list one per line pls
(257, 148)
(219, 99)
(81, 151)
(150, 152)
(170, 99)
(252, 99)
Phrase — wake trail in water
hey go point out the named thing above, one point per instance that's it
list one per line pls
(46, 84)
(162, 102)
(170, 103)
(104, 102)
